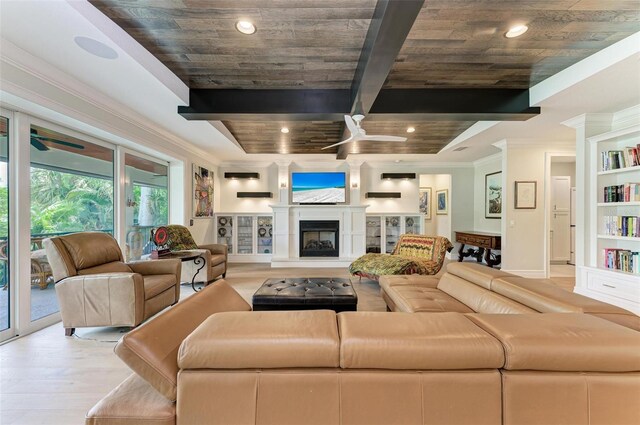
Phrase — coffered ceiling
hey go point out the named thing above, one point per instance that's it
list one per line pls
(329, 45)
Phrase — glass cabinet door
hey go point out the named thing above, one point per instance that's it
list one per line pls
(265, 234)
(412, 225)
(245, 235)
(225, 232)
(392, 233)
(374, 234)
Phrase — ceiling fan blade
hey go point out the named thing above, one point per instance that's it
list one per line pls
(60, 142)
(349, 140)
(38, 145)
(381, 138)
(351, 125)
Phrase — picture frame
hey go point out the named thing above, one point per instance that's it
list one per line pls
(202, 193)
(424, 201)
(525, 195)
(442, 202)
(493, 195)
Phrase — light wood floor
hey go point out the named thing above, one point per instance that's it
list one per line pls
(48, 379)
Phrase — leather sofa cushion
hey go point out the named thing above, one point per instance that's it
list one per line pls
(265, 339)
(156, 284)
(112, 267)
(571, 342)
(479, 299)
(408, 279)
(546, 297)
(151, 350)
(88, 249)
(374, 340)
(478, 274)
(133, 402)
(216, 259)
(419, 299)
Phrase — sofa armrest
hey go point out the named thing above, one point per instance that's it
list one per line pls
(169, 266)
(215, 248)
(108, 299)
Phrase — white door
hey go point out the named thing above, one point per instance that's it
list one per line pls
(560, 218)
(572, 226)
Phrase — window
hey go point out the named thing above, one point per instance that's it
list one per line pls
(5, 289)
(71, 191)
(147, 203)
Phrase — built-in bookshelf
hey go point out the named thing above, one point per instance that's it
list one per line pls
(612, 268)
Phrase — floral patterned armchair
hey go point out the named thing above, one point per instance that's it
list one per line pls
(413, 254)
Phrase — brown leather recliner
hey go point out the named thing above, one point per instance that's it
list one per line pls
(180, 239)
(95, 287)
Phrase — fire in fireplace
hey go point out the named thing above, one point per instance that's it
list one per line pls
(319, 238)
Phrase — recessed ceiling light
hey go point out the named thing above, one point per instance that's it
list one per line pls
(516, 31)
(284, 130)
(411, 129)
(95, 47)
(245, 27)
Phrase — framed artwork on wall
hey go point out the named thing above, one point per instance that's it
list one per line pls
(493, 195)
(442, 202)
(525, 198)
(425, 201)
(202, 192)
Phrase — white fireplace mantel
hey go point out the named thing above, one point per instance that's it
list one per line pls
(286, 226)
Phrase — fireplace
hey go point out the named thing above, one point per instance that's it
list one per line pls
(319, 238)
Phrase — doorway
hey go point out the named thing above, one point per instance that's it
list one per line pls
(561, 216)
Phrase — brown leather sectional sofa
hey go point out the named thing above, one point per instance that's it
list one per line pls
(210, 360)
(474, 288)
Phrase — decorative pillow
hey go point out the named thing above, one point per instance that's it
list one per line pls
(180, 238)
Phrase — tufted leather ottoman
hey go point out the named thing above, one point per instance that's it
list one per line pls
(313, 293)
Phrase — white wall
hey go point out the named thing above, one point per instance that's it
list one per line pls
(490, 165)
(564, 169)
(226, 197)
(524, 232)
(438, 224)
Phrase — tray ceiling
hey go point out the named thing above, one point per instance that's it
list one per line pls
(316, 44)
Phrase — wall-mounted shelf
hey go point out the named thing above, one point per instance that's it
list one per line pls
(254, 194)
(619, 170)
(618, 204)
(619, 238)
(387, 176)
(383, 195)
(241, 175)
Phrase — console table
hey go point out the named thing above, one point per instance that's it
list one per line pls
(485, 242)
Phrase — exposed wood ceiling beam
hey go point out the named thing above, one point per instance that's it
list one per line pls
(332, 105)
(389, 28)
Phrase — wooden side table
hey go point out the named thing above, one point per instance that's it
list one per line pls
(485, 242)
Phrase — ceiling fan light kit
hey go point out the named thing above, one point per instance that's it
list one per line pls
(359, 134)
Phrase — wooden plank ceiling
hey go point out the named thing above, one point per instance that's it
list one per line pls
(316, 44)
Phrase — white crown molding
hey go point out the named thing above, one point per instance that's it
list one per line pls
(25, 62)
(487, 159)
(500, 144)
(134, 49)
(626, 118)
(582, 120)
(239, 164)
(470, 132)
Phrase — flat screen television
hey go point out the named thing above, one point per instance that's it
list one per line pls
(318, 188)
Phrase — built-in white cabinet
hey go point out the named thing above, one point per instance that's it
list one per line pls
(612, 270)
(249, 237)
(383, 231)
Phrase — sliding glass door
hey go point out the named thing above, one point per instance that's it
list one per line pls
(147, 203)
(72, 190)
(6, 290)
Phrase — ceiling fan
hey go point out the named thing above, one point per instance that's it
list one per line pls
(36, 142)
(358, 133)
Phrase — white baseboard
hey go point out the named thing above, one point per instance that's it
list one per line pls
(533, 274)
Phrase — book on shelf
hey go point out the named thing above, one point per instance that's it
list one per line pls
(627, 192)
(616, 159)
(622, 259)
(616, 225)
